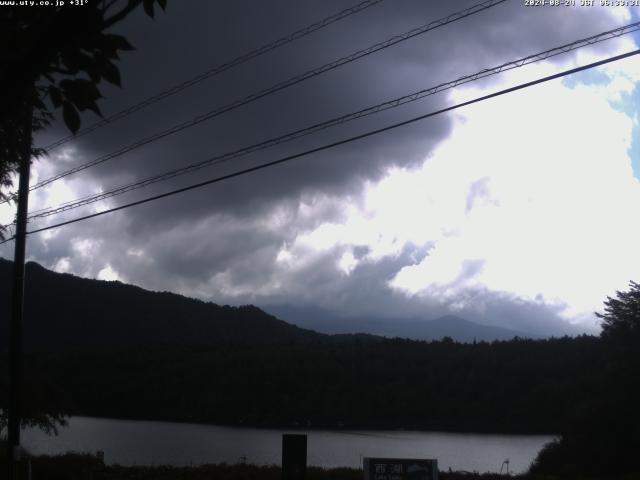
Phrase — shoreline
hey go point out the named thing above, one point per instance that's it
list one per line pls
(331, 429)
(80, 465)
(205, 444)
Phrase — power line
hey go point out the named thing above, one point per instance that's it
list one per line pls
(45, 212)
(217, 70)
(279, 86)
(341, 142)
(7, 240)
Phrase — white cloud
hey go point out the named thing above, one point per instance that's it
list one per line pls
(347, 262)
(108, 273)
(63, 265)
(527, 203)
(84, 247)
(558, 197)
(531, 197)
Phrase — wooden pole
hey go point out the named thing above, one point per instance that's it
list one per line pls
(17, 306)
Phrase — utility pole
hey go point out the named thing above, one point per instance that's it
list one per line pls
(17, 305)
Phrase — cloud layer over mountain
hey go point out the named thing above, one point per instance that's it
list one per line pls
(512, 212)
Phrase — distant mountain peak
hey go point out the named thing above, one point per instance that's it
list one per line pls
(459, 329)
(449, 319)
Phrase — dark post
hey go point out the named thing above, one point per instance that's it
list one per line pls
(294, 457)
(17, 308)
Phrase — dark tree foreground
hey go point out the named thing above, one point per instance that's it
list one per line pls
(55, 58)
(50, 57)
(119, 351)
(621, 317)
(603, 437)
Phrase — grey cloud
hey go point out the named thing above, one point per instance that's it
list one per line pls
(188, 241)
(467, 46)
(478, 190)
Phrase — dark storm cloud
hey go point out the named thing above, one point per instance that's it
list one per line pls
(228, 236)
(189, 40)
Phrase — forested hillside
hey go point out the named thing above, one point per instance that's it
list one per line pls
(109, 349)
(516, 386)
(63, 310)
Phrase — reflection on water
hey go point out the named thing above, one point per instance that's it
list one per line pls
(129, 442)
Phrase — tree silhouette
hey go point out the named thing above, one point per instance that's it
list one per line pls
(55, 57)
(621, 317)
(602, 438)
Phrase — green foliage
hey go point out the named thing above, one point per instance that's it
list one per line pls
(70, 466)
(74, 466)
(53, 58)
(42, 405)
(621, 317)
(56, 46)
(603, 435)
(47, 422)
(525, 386)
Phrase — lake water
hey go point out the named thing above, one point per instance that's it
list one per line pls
(129, 442)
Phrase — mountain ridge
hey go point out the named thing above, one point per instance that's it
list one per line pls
(415, 328)
(65, 310)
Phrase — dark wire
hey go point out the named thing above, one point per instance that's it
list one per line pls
(277, 87)
(345, 141)
(217, 70)
(79, 202)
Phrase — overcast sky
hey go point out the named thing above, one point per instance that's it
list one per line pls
(518, 211)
